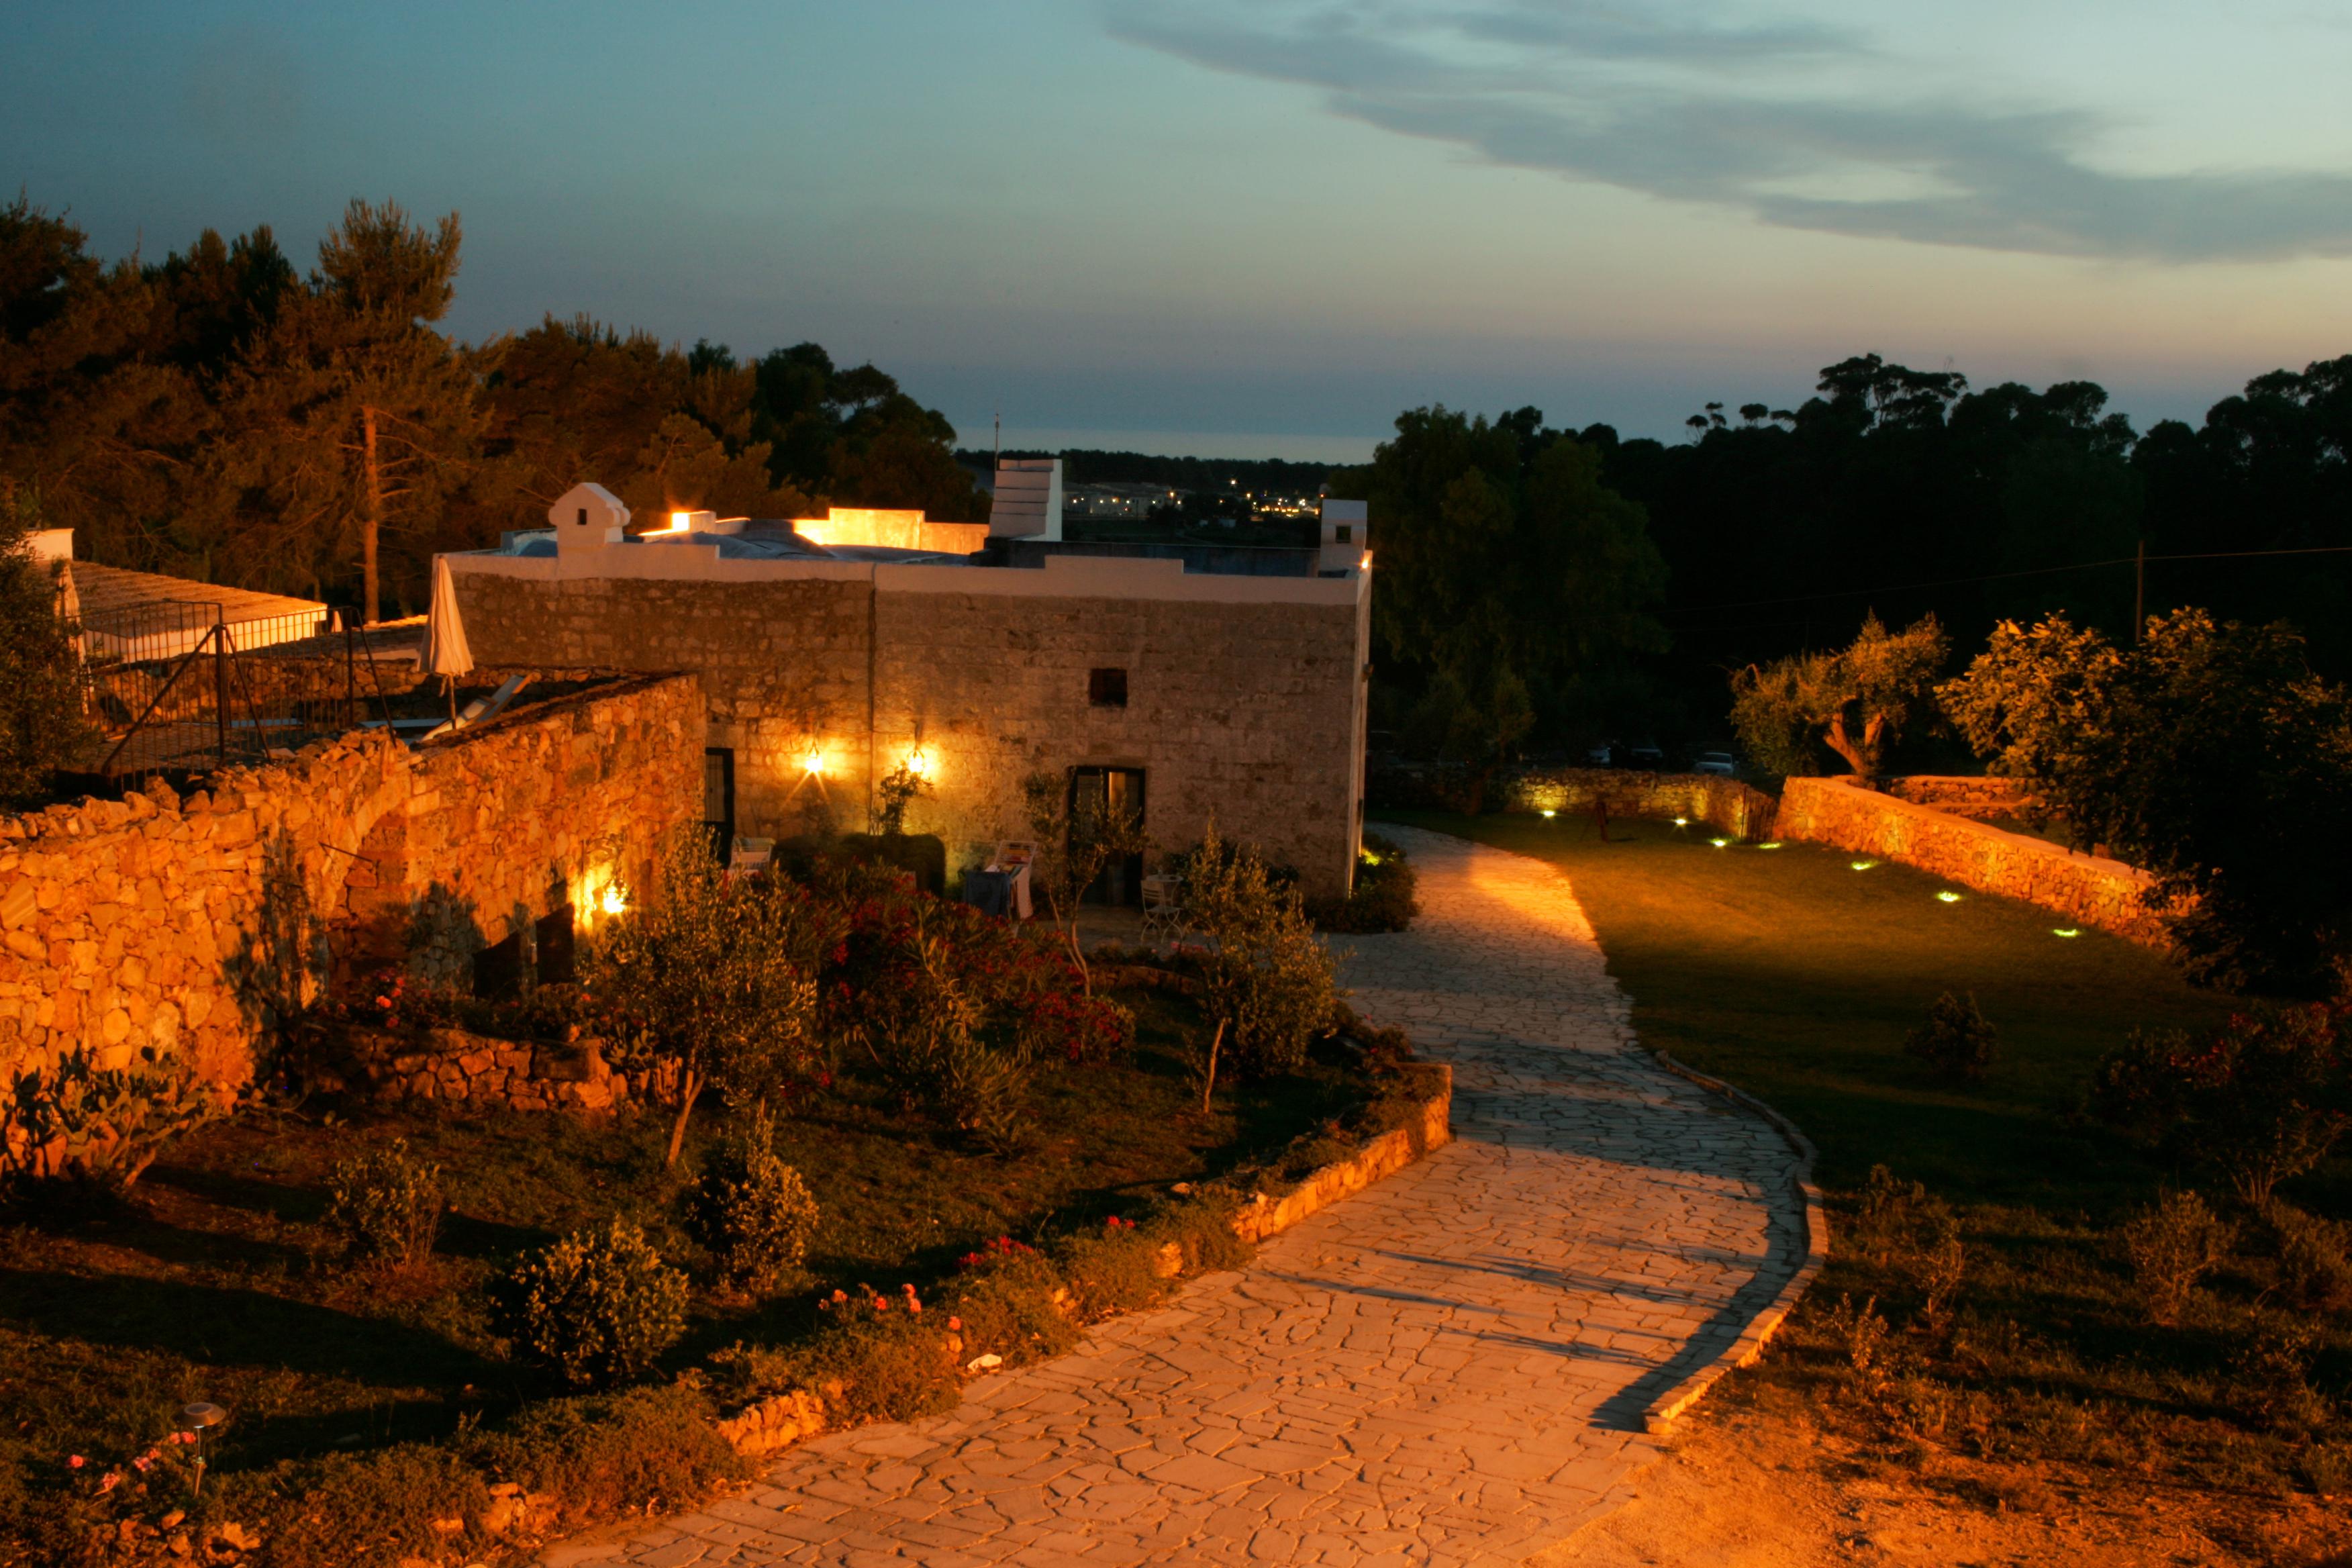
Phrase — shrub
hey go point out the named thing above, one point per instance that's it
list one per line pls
(2314, 1259)
(385, 1204)
(1382, 899)
(1956, 1040)
(372, 1508)
(753, 1211)
(1265, 976)
(877, 1358)
(2271, 1371)
(597, 1307)
(635, 1451)
(100, 1125)
(2170, 1247)
(42, 726)
(2261, 1100)
(1004, 1302)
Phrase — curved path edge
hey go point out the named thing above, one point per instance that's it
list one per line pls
(1743, 1352)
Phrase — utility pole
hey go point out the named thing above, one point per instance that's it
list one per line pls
(2139, 589)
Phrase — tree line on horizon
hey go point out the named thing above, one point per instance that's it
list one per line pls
(1541, 588)
(221, 415)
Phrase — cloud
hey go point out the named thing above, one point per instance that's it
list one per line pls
(1766, 119)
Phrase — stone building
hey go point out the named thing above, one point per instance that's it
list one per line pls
(1193, 681)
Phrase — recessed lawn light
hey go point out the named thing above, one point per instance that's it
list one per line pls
(1681, 822)
(1947, 897)
(2065, 930)
(1547, 811)
(1861, 865)
(1773, 843)
(1718, 843)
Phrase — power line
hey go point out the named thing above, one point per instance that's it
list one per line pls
(1998, 577)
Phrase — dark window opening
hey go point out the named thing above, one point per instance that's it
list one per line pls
(718, 800)
(1100, 791)
(1107, 687)
(583, 517)
(1346, 531)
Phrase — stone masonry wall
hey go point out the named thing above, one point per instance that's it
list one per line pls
(1726, 804)
(1248, 711)
(1962, 795)
(2086, 890)
(186, 924)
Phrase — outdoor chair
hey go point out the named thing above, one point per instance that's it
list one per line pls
(1012, 856)
(750, 855)
(1163, 909)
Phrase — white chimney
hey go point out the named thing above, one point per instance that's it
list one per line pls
(1345, 535)
(1028, 503)
(587, 516)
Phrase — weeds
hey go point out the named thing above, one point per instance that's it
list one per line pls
(2171, 1245)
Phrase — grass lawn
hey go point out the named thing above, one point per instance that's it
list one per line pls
(214, 1279)
(1796, 976)
(1792, 974)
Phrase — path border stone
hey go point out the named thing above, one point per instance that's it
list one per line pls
(1662, 1411)
(767, 1428)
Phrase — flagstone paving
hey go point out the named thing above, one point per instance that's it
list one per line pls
(1449, 1368)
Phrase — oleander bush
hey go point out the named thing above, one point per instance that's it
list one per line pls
(596, 1308)
(2259, 1101)
(385, 1204)
(100, 1127)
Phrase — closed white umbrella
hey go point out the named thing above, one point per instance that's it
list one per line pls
(446, 653)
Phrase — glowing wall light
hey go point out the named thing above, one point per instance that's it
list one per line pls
(814, 764)
(1861, 865)
(918, 762)
(2065, 930)
(1947, 897)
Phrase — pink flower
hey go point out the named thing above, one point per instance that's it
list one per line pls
(76, 1462)
(112, 1480)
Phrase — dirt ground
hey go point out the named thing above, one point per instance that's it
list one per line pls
(1749, 1487)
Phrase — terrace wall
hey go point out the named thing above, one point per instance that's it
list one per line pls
(1724, 804)
(190, 924)
(2086, 890)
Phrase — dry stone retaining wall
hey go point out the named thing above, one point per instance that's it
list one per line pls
(187, 924)
(1727, 803)
(1964, 796)
(2087, 890)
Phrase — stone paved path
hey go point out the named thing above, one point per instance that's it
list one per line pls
(1450, 1368)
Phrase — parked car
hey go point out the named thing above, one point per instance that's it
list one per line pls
(1603, 756)
(1647, 754)
(1715, 762)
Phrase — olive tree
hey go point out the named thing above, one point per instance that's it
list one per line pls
(714, 982)
(1856, 700)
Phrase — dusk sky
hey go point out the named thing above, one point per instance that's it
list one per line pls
(1256, 228)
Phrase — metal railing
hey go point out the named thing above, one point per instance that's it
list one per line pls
(176, 687)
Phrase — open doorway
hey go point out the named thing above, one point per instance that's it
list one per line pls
(1111, 791)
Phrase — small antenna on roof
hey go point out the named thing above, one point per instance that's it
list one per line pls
(999, 435)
